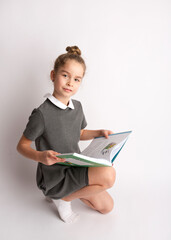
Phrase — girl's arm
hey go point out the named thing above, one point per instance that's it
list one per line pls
(90, 134)
(46, 157)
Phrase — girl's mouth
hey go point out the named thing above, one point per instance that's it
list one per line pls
(67, 90)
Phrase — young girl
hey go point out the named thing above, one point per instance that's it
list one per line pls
(56, 126)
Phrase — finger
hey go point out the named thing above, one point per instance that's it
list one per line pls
(56, 153)
(106, 134)
(61, 159)
(53, 157)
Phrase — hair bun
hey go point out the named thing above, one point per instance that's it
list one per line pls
(73, 50)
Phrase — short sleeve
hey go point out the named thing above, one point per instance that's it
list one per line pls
(84, 122)
(35, 125)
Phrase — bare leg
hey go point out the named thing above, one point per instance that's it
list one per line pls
(101, 202)
(95, 195)
(100, 179)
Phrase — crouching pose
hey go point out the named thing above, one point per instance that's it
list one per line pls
(57, 126)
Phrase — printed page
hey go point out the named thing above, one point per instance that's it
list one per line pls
(102, 147)
(117, 148)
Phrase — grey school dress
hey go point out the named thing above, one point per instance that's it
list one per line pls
(56, 127)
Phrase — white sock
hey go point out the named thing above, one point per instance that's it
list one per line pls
(65, 211)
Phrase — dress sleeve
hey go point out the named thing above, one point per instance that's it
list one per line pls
(35, 125)
(84, 122)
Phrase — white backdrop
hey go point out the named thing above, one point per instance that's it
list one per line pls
(126, 46)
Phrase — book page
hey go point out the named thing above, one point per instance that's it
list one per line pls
(102, 147)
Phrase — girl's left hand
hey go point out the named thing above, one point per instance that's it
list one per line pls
(105, 133)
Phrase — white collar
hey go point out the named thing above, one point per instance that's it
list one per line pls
(58, 103)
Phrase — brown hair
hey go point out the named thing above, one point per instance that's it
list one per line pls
(73, 53)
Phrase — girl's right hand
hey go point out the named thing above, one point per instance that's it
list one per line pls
(49, 157)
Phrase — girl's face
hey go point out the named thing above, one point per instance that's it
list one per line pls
(67, 80)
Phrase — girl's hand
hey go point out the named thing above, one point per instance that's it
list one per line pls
(49, 157)
(105, 133)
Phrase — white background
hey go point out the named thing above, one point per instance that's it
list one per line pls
(126, 46)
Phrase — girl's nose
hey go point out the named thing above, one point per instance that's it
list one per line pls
(69, 83)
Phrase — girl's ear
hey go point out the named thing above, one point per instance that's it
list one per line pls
(52, 75)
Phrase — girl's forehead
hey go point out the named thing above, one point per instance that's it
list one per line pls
(73, 67)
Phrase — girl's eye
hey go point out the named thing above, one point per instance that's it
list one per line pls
(65, 75)
(77, 80)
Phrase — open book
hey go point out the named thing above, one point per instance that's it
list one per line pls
(99, 153)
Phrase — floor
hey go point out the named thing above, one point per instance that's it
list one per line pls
(142, 211)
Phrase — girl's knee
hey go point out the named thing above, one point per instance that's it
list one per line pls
(107, 208)
(103, 176)
(109, 177)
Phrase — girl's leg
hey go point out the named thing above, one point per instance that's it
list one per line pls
(100, 179)
(93, 195)
(101, 202)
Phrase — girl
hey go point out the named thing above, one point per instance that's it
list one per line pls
(56, 126)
